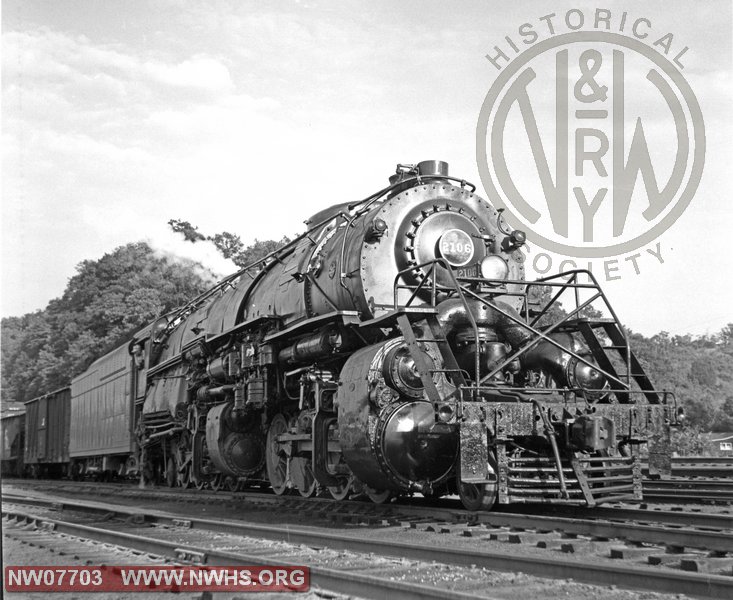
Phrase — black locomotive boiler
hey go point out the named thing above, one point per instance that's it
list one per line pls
(395, 348)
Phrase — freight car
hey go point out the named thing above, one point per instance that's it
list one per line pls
(47, 421)
(102, 435)
(393, 348)
(12, 426)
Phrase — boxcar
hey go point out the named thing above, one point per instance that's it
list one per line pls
(102, 417)
(47, 434)
(12, 426)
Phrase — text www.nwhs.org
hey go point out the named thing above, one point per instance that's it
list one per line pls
(164, 578)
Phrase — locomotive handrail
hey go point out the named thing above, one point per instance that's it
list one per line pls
(591, 277)
(543, 335)
(571, 283)
(433, 298)
(554, 299)
(539, 335)
(667, 395)
(419, 286)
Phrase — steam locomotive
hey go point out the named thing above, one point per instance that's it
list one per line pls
(393, 348)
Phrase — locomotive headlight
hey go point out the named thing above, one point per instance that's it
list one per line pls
(494, 267)
(456, 247)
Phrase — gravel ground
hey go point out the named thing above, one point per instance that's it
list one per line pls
(235, 507)
(15, 553)
(508, 586)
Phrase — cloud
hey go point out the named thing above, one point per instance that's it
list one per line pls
(198, 73)
(248, 117)
(88, 75)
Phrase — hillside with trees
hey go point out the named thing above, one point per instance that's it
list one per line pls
(697, 369)
(106, 301)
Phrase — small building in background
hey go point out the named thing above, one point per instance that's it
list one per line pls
(720, 444)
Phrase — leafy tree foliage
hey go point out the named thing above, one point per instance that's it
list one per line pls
(189, 232)
(688, 441)
(103, 304)
(697, 370)
(228, 244)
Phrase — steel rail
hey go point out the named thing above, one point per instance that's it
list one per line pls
(639, 515)
(344, 582)
(718, 541)
(689, 490)
(633, 577)
(702, 460)
(710, 485)
(446, 509)
(668, 496)
(721, 471)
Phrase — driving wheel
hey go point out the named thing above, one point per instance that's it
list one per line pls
(276, 459)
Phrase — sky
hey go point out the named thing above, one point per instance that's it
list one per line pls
(249, 117)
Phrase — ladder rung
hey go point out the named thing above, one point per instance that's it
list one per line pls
(626, 467)
(592, 323)
(543, 491)
(618, 498)
(599, 491)
(627, 477)
(535, 481)
(611, 460)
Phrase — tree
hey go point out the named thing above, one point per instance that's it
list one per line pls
(688, 441)
(702, 371)
(189, 232)
(229, 244)
(103, 304)
(539, 297)
(724, 417)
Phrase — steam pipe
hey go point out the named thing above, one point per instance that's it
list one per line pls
(550, 354)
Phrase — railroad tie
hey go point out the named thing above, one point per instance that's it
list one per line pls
(628, 552)
(723, 566)
(585, 546)
(552, 543)
(439, 528)
(527, 537)
(672, 560)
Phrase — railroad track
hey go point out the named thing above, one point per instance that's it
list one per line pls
(666, 528)
(403, 509)
(703, 491)
(692, 560)
(175, 543)
(695, 487)
(702, 466)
